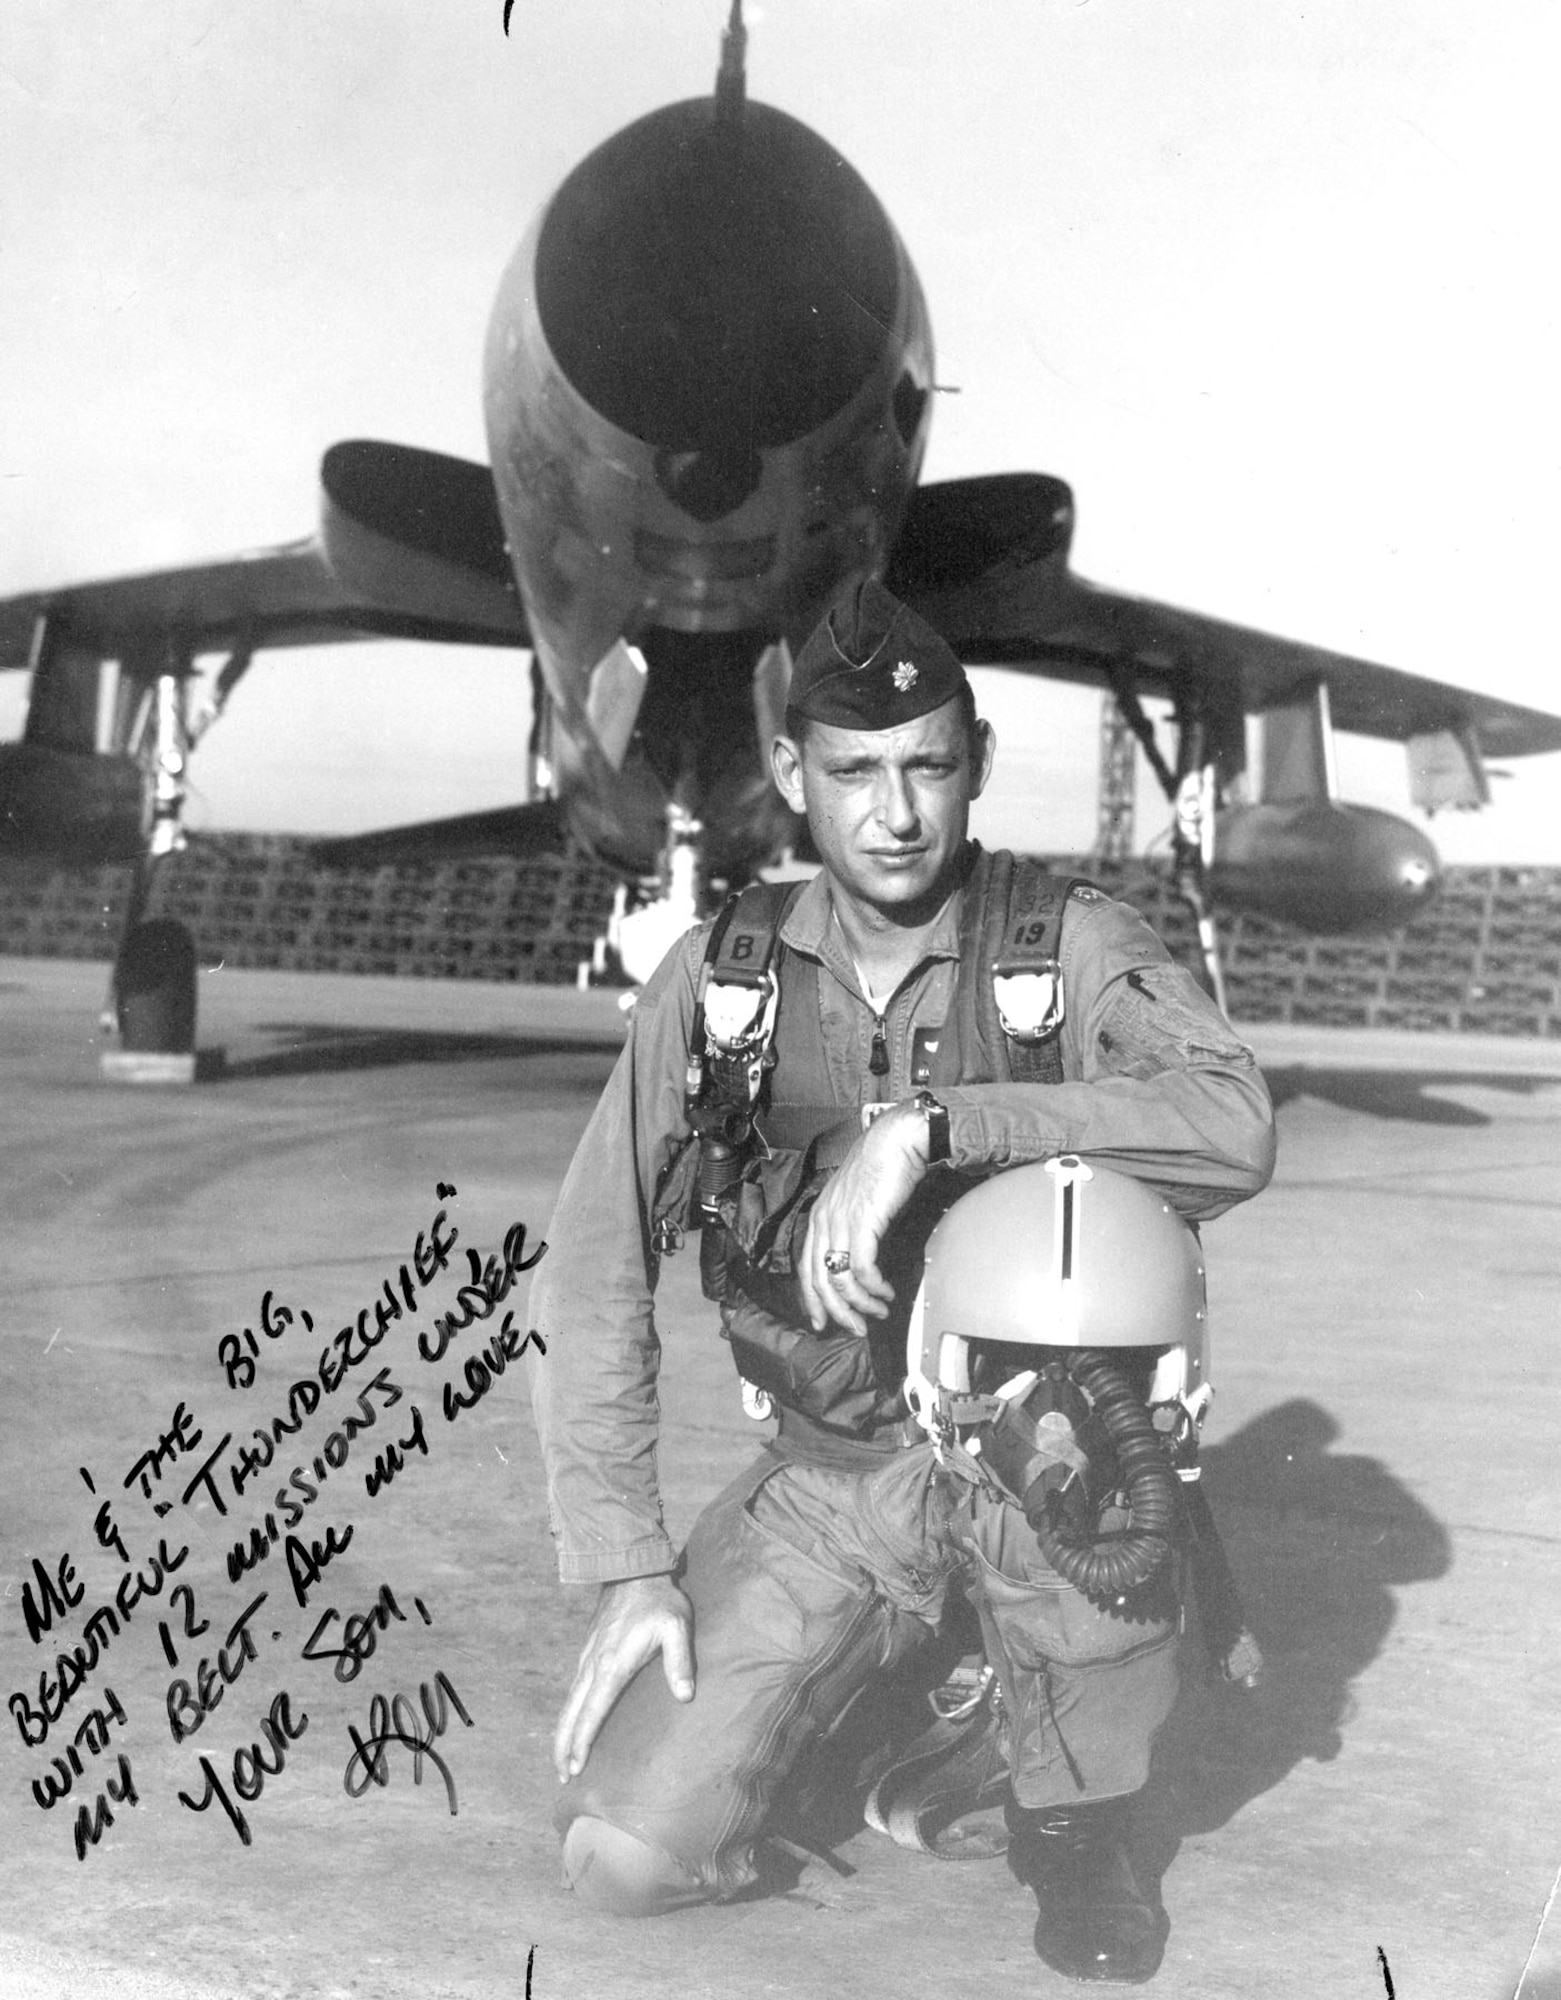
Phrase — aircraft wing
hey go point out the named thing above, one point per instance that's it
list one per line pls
(535, 827)
(409, 546)
(985, 560)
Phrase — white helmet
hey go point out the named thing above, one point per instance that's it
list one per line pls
(1060, 1254)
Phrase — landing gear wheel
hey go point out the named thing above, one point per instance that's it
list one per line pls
(154, 989)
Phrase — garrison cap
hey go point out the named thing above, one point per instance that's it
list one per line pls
(872, 663)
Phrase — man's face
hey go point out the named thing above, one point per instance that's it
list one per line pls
(888, 808)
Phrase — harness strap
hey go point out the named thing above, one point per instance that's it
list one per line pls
(1010, 927)
(742, 950)
(1021, 1000)
(1009, 932)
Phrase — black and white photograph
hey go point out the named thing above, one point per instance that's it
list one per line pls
(780, 999)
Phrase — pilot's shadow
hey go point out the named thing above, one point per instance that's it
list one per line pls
(1318, 1541)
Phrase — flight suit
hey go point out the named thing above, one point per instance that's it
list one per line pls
(830, 1559)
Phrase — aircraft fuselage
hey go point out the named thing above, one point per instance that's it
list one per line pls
(707, 386)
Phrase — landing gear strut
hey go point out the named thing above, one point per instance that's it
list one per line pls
(640, 935)
(1193, 791)
(1192, 846)
(151, 1003)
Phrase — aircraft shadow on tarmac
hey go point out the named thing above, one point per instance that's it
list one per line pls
(317, 1048)
(313, 1049)
(1318, 1541)
(1411, 1095)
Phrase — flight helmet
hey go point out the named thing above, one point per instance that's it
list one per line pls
(1063, 1254)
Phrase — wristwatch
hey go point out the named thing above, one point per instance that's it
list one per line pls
(937, 1117)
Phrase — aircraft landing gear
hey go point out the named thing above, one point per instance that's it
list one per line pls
(640, 934)
(150, 1008)
(1193, 790)
(154, 989)
(1192, 851)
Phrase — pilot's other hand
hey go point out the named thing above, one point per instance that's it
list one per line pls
(872, 1184)
(634, 1620)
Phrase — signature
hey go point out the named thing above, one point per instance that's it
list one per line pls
(396, 1721)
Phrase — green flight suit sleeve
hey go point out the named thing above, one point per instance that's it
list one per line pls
(594, 1391)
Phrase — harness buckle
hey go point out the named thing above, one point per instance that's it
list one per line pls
(757, 1403)
(740, 1015)
(1029, 999)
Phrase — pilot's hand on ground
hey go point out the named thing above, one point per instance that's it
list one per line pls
(872, 1184)
(634, 1621)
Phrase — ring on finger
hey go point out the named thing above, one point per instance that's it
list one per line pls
(837, 1261)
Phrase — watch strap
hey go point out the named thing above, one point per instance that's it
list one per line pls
(937, 1117)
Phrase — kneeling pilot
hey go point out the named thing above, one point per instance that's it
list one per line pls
(886, 1074)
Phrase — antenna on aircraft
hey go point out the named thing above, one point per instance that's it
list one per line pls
(729, 78)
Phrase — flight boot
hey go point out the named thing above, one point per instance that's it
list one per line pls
(1095, 1920)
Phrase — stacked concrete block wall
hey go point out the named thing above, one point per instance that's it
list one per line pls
(261, 900)
(1485, 959)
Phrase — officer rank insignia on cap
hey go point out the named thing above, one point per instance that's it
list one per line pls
(872, 663)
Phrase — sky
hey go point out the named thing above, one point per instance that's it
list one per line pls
(1272, 287)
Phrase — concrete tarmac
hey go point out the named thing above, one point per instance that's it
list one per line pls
(300, 1732)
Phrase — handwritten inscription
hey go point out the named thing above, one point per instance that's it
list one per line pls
(56, 1596)
(174, 1443)
(275, 1319)
(251, 1766)
(195, 1627)
(103, 1524)
(480, 1371)
(188, 1708)
(395, 1723)
(94, 1821)
(398, 1295)
(359, 1634)
(487, 1287)
(257, 1458)
(393, 1458)
(300, 1490)
(292, 1500)
(73, 1666)
(90, 1740)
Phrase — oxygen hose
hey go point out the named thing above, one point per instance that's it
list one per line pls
(721, 1136)
(1132, 1557)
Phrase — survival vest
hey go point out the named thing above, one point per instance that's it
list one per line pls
(771, 1132)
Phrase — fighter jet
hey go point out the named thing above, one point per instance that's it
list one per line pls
(708, 384)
